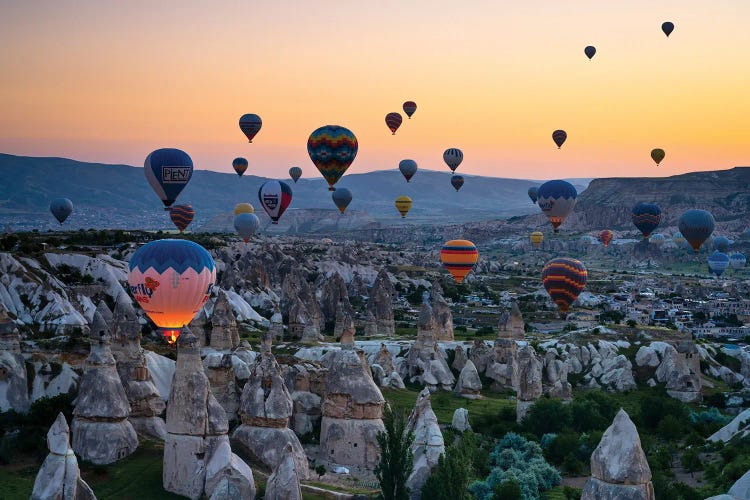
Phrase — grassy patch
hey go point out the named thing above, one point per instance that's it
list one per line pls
(445, 403)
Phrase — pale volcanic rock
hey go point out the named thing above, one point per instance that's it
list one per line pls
(529, 380)
(425, 363)
(683, 382)
(295, 287)
(224, 333)
(469, 385)
(511, 324)
(333, 296)
(14, 394)
(459, 358)
(219, 368)
(442, 313)
(284, 482)
(646, 356)
(380, 304)
(428, 443)
(277, 325)
(460, 421)
(384, 359)
(481, 355)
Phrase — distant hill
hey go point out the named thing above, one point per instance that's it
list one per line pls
(119, 196)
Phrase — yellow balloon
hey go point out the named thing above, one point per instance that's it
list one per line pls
(403, 205)
(243, 208)
(536, 238)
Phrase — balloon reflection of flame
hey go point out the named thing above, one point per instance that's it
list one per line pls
(171, 335)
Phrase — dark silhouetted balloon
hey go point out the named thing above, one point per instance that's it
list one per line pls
(408, 168)
(168, 171)
(393, 120)
(409, 108)
(239, 165)
(667, 28)
(605, 237)
(721, 243)
(657, 155)
(61, 208)
(453, 158)
(646, 217)
(457, 181)
(182, 216)
(559, 136)
(533, 192)
(696, 226)
(564, 279)
(718, 262)
(590, 50)
(557, 199)
(295, 173)
(341, 198)
(332, 149)
(250, 125)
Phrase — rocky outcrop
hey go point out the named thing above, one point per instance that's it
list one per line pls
(425, 362)
(297, 292)
(333, 298)
(102, 433)
(469, 385)
(460, 421)
(511, 324)
(442, 313)
(481, 355)
(277, 325)
(384, 359)
(459, 358)
(682, 380)
(556, 376)
(619, 469)
(14, 393)
(380, 304)
(59, 477)
(529, 380)
(146, 404)
(284, 482)
(224, 333)
(302, 325)
(219, 368)
(428, 443)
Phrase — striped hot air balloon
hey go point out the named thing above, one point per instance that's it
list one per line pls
(453, 158)
(564, 279)
(718, 262)
(536, 238)
(393, 120)
(403, 205)
(559, 136)
(696, 226)
(459, 257)
(737, 260)
(646, 217)
(457, 181)
(657, 155)
(243, 208)
(605, 236)
(295, 173)
(171, 280)
(275, 197)
(332, 149)
(182, 216)
(409, 108)
(239, 165)
(250, 125)
(557, 199)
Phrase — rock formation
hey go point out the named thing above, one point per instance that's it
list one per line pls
(425, 363)
(284, 482)
(481, 355)
(459, 358)
(380, 304)
(224, 333)
(442, 313)
(198, 459)
(384, 358)
(511, 324)
(428, 443)
(460, 421)
(219, 369)
(146, 405)
(357, 287)
(296, 288)
(333, 298)
(680, 369)
(59, 477)
(502, 367)
(352, 409)
(14, 393)
(529, 380)
(277, 325)
(302, 326)
(102, 433)
(556, 376)
(469, 385)
(619, 469)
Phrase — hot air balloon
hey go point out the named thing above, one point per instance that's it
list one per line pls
(341, 198)
(409, 108)
(275, 197)
(559, 136)
(718, 262)
(721, 243)
(239, 165)
(332, 149)
(246, 225)
(295, 173)
(403, 205)
(250, 125)
(457, 181)
(605, 236)
(737, 260)
(564, 279)
(536, 238)
(590, 50)
(171, 280)
(533, 193)
(408, 168)
(168, 171)
(658, 239)
(453, 158)
(393, 120)
(61, 208)
(646, 217)
(243, 208)
(557, 199)
(696, 226)
(182, 216)
(587, 239)
(667, 28)
(459, 257)
(657, 155)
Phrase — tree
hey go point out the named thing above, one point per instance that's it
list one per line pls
(632, 323)
(396, 457)
(691, 460)
(320, 470)
(547, 415)
(450, 478)
(509, 490)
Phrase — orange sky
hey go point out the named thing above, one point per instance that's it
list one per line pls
(109, 81)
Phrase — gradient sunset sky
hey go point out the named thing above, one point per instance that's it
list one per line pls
(109, 81)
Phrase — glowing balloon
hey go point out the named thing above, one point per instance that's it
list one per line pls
(667, 28)
(168, 171)
(564, 279)
(457, 181)
(182, 216)
(459, 257)
(243, 208)
(536, 238)
(590, 50)
(721, 243)
(453, 158)
(239, 165)
(171, 280)
(696, 226)
(408, 168)
(250, 125)
(332, 149)
(295, 173)
(657, 155)
(275, 197)
(605, 237)
(403, 205)
(557, 199)
(559, 136)
(646, 217)
(409, 108)
(533, 192)
(341, 198)
(61, 208)
(246, 225)
(718, 262)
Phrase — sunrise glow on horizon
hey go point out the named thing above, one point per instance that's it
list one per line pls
(111, 81)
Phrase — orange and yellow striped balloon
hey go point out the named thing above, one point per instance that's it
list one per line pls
(459, 257)
(403, 205)
(536, 238)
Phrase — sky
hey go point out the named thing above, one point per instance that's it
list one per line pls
(110, 81)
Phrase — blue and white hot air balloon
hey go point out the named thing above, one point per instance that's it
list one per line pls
(168, 171)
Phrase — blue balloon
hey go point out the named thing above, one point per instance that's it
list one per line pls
(557, 199)
(646, 217)
(168, 171)
(590, 50)
(61, 208)
(721, 243)
(696, 226)
(178, 255)
(737, 260)
(718, 262)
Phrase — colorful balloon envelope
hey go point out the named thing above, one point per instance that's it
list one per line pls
(403, 205)
(168, 171)
(409, 108)
(408, 168)
(590, 50)
(696, 226)
(182, 216)
(275, 197)
(657, 155)
(243, 208)
(646, 217)
(718, 262)
(737, 260)
(341, 198)
(667, 28)
(250, 125)
(721, 243)
(457, 181)
(393, 120)
(605, 237)
(295, 173)
(61, 208)
(564, 279)
(536, 238)
(559, 137)
(453, 158)
(171, 280)
(658, 239)
(332, 149)
(557, 199)
(533, 193)
(459, 257)
(246, 225)
(239, 165)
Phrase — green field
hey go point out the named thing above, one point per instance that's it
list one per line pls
(445, 403)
